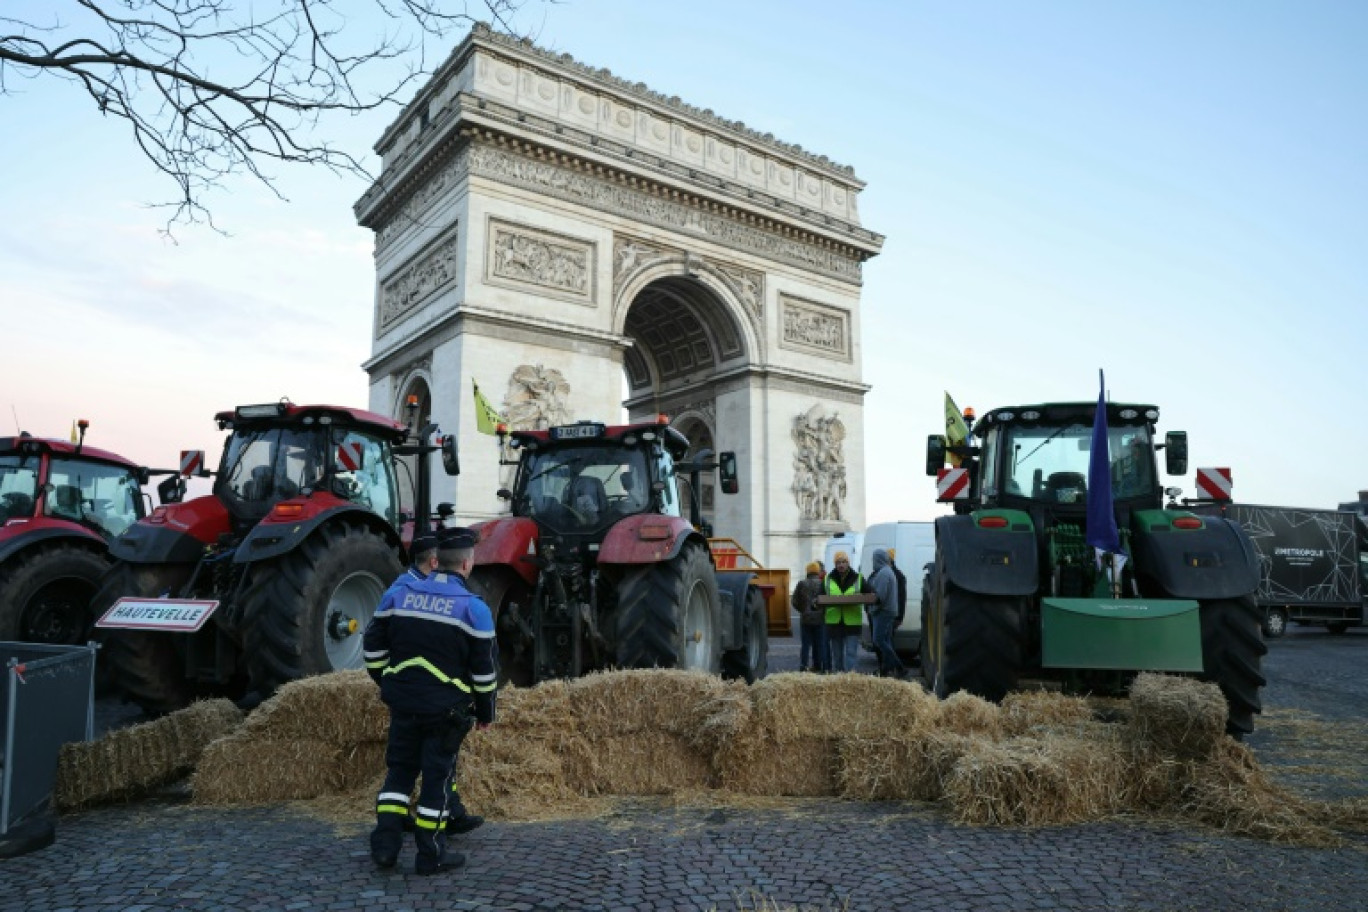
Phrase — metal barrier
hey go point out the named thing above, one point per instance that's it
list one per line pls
(48, 700)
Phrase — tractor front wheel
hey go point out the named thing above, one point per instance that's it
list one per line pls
(1232, 652)
(507, 596)
(307, 610)
(143, 664)
(45, 595)
(668, 615)
(751, 661)
(973, 642)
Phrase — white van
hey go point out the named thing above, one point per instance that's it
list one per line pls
(914, 544)
(849, 542)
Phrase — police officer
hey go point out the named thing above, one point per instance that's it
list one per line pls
(431, 648)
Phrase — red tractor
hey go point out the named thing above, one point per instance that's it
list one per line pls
(598, 567)
(275, 574)
(60, 505)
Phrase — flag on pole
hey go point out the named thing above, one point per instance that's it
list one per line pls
(75, 438)
(956, 431)
(1102, 532)
(487, 419)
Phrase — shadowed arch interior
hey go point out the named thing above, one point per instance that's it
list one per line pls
(682, 333)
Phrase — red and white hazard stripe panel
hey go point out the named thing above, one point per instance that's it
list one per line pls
(191, 461)
(952, 484)
(1214, 483)
(349, 455)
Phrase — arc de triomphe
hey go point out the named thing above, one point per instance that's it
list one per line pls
(559, 236)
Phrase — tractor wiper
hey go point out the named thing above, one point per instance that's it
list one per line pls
(1061, 430)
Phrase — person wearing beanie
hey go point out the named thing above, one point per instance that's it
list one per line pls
(812, 655)
(431, 648)
(844, 621)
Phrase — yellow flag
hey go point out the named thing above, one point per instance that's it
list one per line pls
(486, 418)
(75, 438)
(956, 431)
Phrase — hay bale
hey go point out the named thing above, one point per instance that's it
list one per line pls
(696, 706)
(360, 765)
(243, 769)
(1038, 781)
(962, 713)
(1182, 717)
(1025, 712)
(132, 761)
(648, 763)
(755, 762)
(341, 708)
(803, 707)
(898, 768)
(506, 775)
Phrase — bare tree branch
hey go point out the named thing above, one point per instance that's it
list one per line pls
(216, 88)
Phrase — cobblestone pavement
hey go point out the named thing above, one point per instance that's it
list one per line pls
(811, 855)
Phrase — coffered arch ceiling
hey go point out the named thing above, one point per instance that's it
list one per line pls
(682, 333)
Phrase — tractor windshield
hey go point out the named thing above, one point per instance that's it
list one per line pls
(18, 486)
(107, 496)
(1050, 463)
(263, 465)
(583, 488)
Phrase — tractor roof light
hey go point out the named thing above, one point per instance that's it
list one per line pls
(1128, 414)
(1152, 414)
(269, 410)
(1030, 415)
(1005, 416)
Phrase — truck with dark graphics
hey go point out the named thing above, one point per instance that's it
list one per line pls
(1018, 589)
(1313, 564)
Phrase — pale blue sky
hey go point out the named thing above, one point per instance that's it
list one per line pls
(1174, 192)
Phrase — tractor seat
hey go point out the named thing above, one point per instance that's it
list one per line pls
(1066, 487)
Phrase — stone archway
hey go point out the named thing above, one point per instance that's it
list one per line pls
(545, 229)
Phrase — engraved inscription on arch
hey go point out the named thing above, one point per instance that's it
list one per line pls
(814, 328)
(551, 263)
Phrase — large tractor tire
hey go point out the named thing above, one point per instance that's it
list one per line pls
(1232, 652)
(307, 610)
(144, 665)
(1275, 622)
(976, 643)
(500, 587)
(751, 661)
(668, 615)
(45, 594)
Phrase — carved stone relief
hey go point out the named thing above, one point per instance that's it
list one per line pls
(814, 328)
(519, 255)
(410, 213)
(631, 255)
(747, 284)
(423, 276)
(819, 472)
(538, 398)
(576, 186)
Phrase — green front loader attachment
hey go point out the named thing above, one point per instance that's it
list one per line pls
(1121, 634)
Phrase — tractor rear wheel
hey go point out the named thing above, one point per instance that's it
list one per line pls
(751, 661)
(1232, 651)
(501, 588)
(668, 615)
(144, 664)
(977, 643)
(1275, 622)
(306, 611)
(45, 595)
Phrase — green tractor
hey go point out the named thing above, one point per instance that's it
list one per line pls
(1022, 586)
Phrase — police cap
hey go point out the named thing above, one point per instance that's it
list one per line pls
(456, 539)
(425, 542)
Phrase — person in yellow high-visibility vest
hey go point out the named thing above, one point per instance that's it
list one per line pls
(843, 622)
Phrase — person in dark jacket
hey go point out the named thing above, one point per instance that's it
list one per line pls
(431, 648)
(902, 586)
(883, 614)
(813, 654)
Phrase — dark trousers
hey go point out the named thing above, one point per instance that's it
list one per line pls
(418, 745)
(814, 654)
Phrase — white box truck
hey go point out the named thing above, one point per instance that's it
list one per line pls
(914, 544)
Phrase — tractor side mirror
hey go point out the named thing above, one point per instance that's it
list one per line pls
(726, 473)
(171, 490)
(504, 494)
(451, 460)
(1176, 452)
(935, 454)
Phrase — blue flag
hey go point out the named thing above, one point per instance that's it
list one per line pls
(1102, 532)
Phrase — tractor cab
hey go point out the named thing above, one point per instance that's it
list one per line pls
(42, 479)
(281, 451)
(578, 480)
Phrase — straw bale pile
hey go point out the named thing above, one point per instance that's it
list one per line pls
(1179, 717)
(1025, 712)
(911, 767)
(792, 743)
(132, 761)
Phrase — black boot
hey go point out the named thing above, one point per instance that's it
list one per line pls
(463, 824)
(449, 861)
